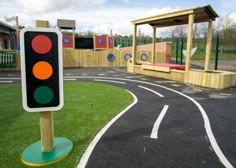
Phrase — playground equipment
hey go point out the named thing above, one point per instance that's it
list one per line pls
(206, 77)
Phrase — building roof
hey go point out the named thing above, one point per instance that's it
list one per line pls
(7, 26)
(202, 14)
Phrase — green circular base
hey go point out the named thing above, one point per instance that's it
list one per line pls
(33, 155)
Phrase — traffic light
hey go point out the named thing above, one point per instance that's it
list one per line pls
(41, 69)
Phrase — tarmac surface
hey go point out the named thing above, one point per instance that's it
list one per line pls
(170, 124)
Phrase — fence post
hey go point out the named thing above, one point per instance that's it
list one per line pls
(177, 49)
(217, 51)
(181, 49)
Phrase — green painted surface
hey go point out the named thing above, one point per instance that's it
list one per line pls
(34, 156)
(43, 95)
(7, 58)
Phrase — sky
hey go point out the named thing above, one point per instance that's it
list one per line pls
(101, 16)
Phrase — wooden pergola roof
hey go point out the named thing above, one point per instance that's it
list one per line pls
(187, 16)
(202, 14)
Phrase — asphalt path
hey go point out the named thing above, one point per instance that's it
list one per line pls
(171, 125)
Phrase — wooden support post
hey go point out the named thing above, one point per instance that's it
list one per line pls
(189, 47)
(42, 23)
(107, 37)
(209, 44)
(73, 38)
(46, 118)
(94, 43)
(153, 44)
(134, 47)
(47, 131)
(17, 31)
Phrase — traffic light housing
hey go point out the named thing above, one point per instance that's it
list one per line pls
(41, 69)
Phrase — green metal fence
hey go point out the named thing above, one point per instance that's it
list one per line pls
(127, 42)
(7, 58)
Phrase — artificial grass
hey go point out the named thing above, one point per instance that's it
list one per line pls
(88, 107)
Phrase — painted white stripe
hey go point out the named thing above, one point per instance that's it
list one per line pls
(165, 81)
(155, 129)
(93, 143)
(207, 124)
(72, 79)
(153, 91)
(6, 81)
(10, 78)
(112, 81)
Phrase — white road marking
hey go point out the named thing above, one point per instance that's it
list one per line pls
(72, 79)
(10, 78)
(6, 81)
(207, 124)
(154, 134)
(111, 81)
(153, 91)
(84, 159)
(134, 76)
(165, 81)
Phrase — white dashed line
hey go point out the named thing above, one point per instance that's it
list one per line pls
(6, 81)
(153, 91)
(154, 134)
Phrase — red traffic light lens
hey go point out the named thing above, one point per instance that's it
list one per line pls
(41, 44)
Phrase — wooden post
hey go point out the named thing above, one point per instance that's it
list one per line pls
(47, 131)
(107, 37)
(209, 44)
(42, 23)
(153, 44)
(94, 43)
(189, 47)
(134, 47)
(17, 31)
(73, 38)
(46, 118)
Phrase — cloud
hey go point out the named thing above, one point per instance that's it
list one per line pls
(40, 6)
(158, 11)
(88, 16)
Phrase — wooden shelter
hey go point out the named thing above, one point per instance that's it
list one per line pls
(187, 16)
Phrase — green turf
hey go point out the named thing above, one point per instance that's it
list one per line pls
(88, 106)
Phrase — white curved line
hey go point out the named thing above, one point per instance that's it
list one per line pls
(154, 134)
(153, 91)
(84, 159)
(111, 81)
(207, 124)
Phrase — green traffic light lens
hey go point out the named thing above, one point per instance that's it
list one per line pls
(43, 95)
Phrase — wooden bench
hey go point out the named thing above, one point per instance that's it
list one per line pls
(163, 67)
(156, 68)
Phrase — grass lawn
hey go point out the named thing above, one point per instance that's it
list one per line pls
(88, 106)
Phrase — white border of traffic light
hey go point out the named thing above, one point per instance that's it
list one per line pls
(23, 72)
